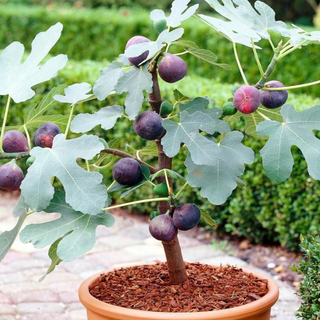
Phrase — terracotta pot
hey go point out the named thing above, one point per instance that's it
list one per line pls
(257, 310)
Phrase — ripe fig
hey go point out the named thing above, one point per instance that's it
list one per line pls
(11, 176)
(186, 216)
(172, 68)
(14, 141)
(135, 40)
(247, 99)
(127, 171)
(273, 99)
(148, 125)
(162, 228)
(161, 190)
(44, 135)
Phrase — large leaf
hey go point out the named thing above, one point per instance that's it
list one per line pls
(77, 229)
(21, 208)
(298, 35)
(84, 190)
(179, 13)
(74, 93)
(134, 83)
(295, 130)
(244, 22)
(187, 131)
(253, 119)
(165, 37)
(16, 78)
(7, 238)
(218, 180)
(108, 80)
(106, 117)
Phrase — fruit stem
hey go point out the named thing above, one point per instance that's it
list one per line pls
(257, 59)
(4, 122)
(135, 202)
(111, 185)
(176, 266)
(167, 182)
(17, 155)
(270, 68)
(292, 87)
(69, 120)
(239, 64)
(27, 135)
(179, 192)
(122, 154)
(282, 55)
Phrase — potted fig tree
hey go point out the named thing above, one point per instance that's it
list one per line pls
(214, 158)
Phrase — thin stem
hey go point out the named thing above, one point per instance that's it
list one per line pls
(69, 120)
(181, 53)
(29, 213)
(27, 135)
(122, 154)
(257, 59)
(135, 202)
(153, 184)
(4, 122)
(167, 182)
(239, 64)
(281, 56)
(292, 87)
(88, 165)
(16, 155)
(181, 189)
(263, 116)
(272, 45)
(111, 185)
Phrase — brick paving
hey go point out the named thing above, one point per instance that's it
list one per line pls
(127, 243)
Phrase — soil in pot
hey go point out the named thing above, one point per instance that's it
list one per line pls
(208, 288)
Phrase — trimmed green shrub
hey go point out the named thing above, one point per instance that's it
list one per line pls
(100, 26)
(309, 267)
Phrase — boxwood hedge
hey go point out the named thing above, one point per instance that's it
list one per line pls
(260, 210)
(90, 33)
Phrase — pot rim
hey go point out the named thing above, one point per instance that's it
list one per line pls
(102, 308)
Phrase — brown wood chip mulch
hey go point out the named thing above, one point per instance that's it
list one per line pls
(207, 288)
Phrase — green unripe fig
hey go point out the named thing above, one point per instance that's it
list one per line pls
(161, 190)
(165, 109)
(229, 109)
(30, 161)
(160, 25)
(154, 214)
(104, 142)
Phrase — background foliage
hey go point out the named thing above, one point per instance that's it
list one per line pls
(99, 27)
(309, 267)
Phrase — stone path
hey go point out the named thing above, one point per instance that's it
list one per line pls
(127, 243)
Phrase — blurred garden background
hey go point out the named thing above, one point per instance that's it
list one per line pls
(95, 32)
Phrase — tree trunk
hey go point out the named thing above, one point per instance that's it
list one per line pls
(176, 266)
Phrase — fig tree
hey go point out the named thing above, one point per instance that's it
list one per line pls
(186, 216)
(274, 99)
(135, 40)
(247, 99)
(14, 141)
(148, 125)
(11, 176)
(162, 228)
(44, 135)
(172, 68)
(127, 171)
